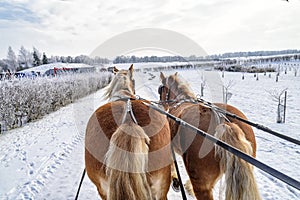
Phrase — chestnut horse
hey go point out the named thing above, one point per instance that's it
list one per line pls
(204, 162)
(127, 145)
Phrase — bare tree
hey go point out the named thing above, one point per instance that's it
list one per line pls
(226, 94)
(277, 97)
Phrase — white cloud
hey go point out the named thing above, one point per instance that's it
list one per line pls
(78, 26)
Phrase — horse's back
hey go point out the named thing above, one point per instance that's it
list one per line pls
(206, 119)
(107, 118)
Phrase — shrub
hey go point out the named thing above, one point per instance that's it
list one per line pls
(25, 100)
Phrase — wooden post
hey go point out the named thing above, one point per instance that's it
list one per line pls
(279, 118)
(225, 91)
(284, 111)
(223, 95)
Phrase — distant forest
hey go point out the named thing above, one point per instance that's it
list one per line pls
(30, 58)
(255, 53)
(216, 57)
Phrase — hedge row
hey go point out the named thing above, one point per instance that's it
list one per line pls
(25, 100)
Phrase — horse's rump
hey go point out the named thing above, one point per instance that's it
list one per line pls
(247, 129)
(106, 121)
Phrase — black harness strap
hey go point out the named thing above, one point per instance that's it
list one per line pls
(82, 177)
(290, 181)
(178, 174)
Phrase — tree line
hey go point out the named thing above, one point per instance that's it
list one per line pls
(253, 57)
(26, 59)
(254, 53)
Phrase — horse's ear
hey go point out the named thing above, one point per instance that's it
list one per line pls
(131, 70)
(162, 76)
(115, 70)
(176, 73)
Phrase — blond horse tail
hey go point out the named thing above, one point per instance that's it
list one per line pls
(126, 163)
(239, 178)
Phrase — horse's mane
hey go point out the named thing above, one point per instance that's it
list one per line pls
(119, 84)
(183, 87)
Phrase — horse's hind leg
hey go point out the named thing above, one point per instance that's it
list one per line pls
(96, 174)
(203, 175)
(203, 193)
(199, 190)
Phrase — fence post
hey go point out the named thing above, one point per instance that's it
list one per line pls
(284, 111)
(279, 118)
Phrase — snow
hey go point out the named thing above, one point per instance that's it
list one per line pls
(45, 159)
(43, 68)
(153, 65)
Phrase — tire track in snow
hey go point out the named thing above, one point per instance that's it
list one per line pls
(57, 135)
(47, 170)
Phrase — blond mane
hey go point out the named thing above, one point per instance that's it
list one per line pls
(182, 88)
(121, 86)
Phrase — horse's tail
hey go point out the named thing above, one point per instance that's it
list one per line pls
(126, 163)
(239, 177)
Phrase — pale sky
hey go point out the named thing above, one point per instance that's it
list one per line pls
(75, 27)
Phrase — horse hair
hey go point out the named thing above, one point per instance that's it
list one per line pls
(240, 180)
(126, 163)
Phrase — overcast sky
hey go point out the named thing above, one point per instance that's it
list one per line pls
(75, 27)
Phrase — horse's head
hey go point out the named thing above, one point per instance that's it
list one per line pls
(173, 89)
(122, 85)
(164, 89)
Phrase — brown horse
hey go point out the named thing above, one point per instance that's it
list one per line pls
(204, 162)
(127, 145)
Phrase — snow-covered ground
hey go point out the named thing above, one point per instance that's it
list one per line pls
(45, 160)
(43, 68)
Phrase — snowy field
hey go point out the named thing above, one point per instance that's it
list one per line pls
(45, 160)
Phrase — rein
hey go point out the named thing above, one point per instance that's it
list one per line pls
(178, 175)
(80, 184)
